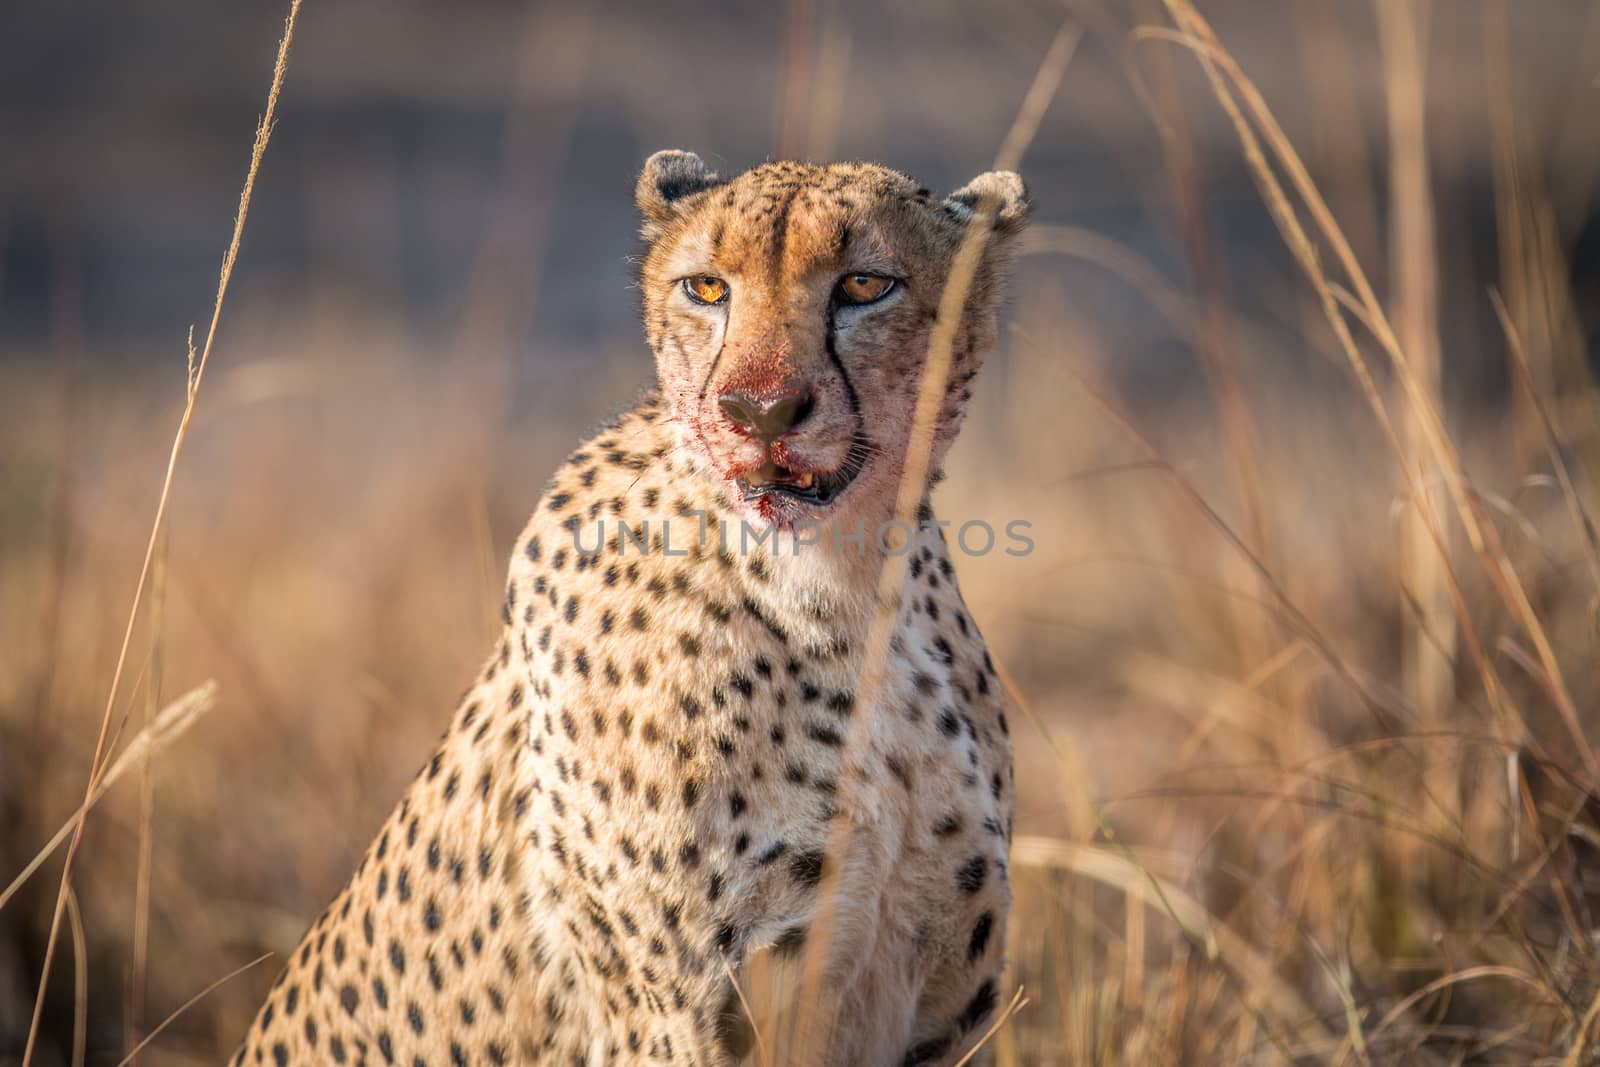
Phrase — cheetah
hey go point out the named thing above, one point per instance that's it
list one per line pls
(619, 851)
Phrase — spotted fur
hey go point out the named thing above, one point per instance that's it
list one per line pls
(631, 803)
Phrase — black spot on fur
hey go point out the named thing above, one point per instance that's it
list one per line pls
(978, 1008)
(806, 868)
(969, 879)
(980, 936)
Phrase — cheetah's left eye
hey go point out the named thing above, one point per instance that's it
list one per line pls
(864, 288)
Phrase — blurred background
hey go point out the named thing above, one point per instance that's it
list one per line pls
(1310, 686)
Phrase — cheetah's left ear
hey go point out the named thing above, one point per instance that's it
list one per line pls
(1003, 192)
(669, 178)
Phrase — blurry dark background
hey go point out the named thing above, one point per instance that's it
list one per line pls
(417, 140)
(433, 300)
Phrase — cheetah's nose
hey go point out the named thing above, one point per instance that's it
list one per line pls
(766, 421)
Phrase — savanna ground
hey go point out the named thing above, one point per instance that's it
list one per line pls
(1307, 646)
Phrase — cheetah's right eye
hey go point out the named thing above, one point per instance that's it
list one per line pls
(705, 289)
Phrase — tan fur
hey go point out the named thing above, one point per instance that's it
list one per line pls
(633, 798)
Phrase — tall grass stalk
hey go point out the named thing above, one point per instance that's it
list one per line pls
(98, 763)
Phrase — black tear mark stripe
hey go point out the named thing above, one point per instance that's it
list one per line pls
(832, 346)
(716, 360)
(860, 444)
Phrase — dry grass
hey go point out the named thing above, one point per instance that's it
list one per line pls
(1306, 657)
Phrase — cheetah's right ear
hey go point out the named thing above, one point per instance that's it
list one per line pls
(668, 179)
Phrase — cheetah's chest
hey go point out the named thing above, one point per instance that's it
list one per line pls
(690, 737)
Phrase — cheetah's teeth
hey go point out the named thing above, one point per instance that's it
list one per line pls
(805, 481)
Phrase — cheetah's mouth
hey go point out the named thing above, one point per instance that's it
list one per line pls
(809, 487)
(769, 479)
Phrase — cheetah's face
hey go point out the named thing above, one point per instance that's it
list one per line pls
(790, 310)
